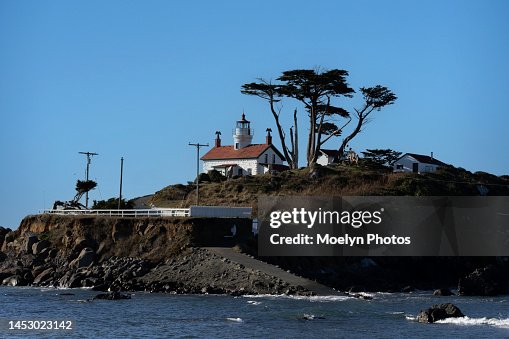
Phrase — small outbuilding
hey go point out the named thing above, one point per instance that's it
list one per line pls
(417, 163)
(328, 156)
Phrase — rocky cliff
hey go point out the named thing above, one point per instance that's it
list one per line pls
(170, 255)
(152, 254)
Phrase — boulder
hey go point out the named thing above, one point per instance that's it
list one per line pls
(444, 292)
(39, 246)
(8, 238)
(486, 281)
(85, 258)
(44, 275)
(3, 233)
(29, 242)
(112, 296)
(15, 280)
(75, 281)
(439, 312)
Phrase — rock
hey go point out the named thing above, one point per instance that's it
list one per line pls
(3, 232)
(310, 317)
(44, 275)
(360, 296)
(444, 292)
(15, 280)
(29, 242)
(75, 281)
(439, 312)
(407, 289)
(3, 256)
(44, 253)
(84, 259)
(112, 296)
(487, 281)
(39, 246)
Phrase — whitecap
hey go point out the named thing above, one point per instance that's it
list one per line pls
(467, 321)
(321, 298)
(237, 320)
(253, 302)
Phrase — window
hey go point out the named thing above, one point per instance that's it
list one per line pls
(273, 158)
(266, 158)
(239, 171)
(400, 167)
(236, 145)
(249, 171)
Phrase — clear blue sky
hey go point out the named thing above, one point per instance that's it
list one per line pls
(141, 79)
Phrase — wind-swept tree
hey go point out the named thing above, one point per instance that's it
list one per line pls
(82, 187)
(375, 98)
(381, 157)
(316, 90)
(273, 94)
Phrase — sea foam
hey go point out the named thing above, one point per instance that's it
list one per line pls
(467, 321)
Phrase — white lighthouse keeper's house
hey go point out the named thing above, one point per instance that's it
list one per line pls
(243, 157)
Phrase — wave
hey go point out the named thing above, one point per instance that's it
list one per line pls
(315, 298)
(467, 321)
(237, 320)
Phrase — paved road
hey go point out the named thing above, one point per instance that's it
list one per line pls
(272, 270)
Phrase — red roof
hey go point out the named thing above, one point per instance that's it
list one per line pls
(228, 152)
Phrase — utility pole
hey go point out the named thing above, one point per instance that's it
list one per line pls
(198, 145)
(121, 173)
(89, 159)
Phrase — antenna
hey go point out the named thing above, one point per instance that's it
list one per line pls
(89, 159)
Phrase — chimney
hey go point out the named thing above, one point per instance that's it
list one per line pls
(218, 139)
(431, 155)
(268, 139)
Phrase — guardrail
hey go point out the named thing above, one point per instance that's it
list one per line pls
(153, 212)
(193, 211)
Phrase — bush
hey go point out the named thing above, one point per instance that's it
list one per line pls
(204, 177)
(112, 204)
(216, 176)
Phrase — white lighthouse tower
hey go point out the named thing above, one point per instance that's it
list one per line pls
(243, 133)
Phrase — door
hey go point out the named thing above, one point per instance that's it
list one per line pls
(415, 167)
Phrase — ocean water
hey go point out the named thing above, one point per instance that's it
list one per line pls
(212, 316)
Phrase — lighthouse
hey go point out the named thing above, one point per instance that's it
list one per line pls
(243, 157)
(242, 134)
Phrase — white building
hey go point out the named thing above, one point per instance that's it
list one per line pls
(243, 157)
(327, 157)
(417, 163)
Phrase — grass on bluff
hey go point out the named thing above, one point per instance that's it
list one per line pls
(336, 180)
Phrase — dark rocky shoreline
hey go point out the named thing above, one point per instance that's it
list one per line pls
(28, 260)
(157, 255)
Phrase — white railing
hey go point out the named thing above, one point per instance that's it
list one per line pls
(153, 212)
